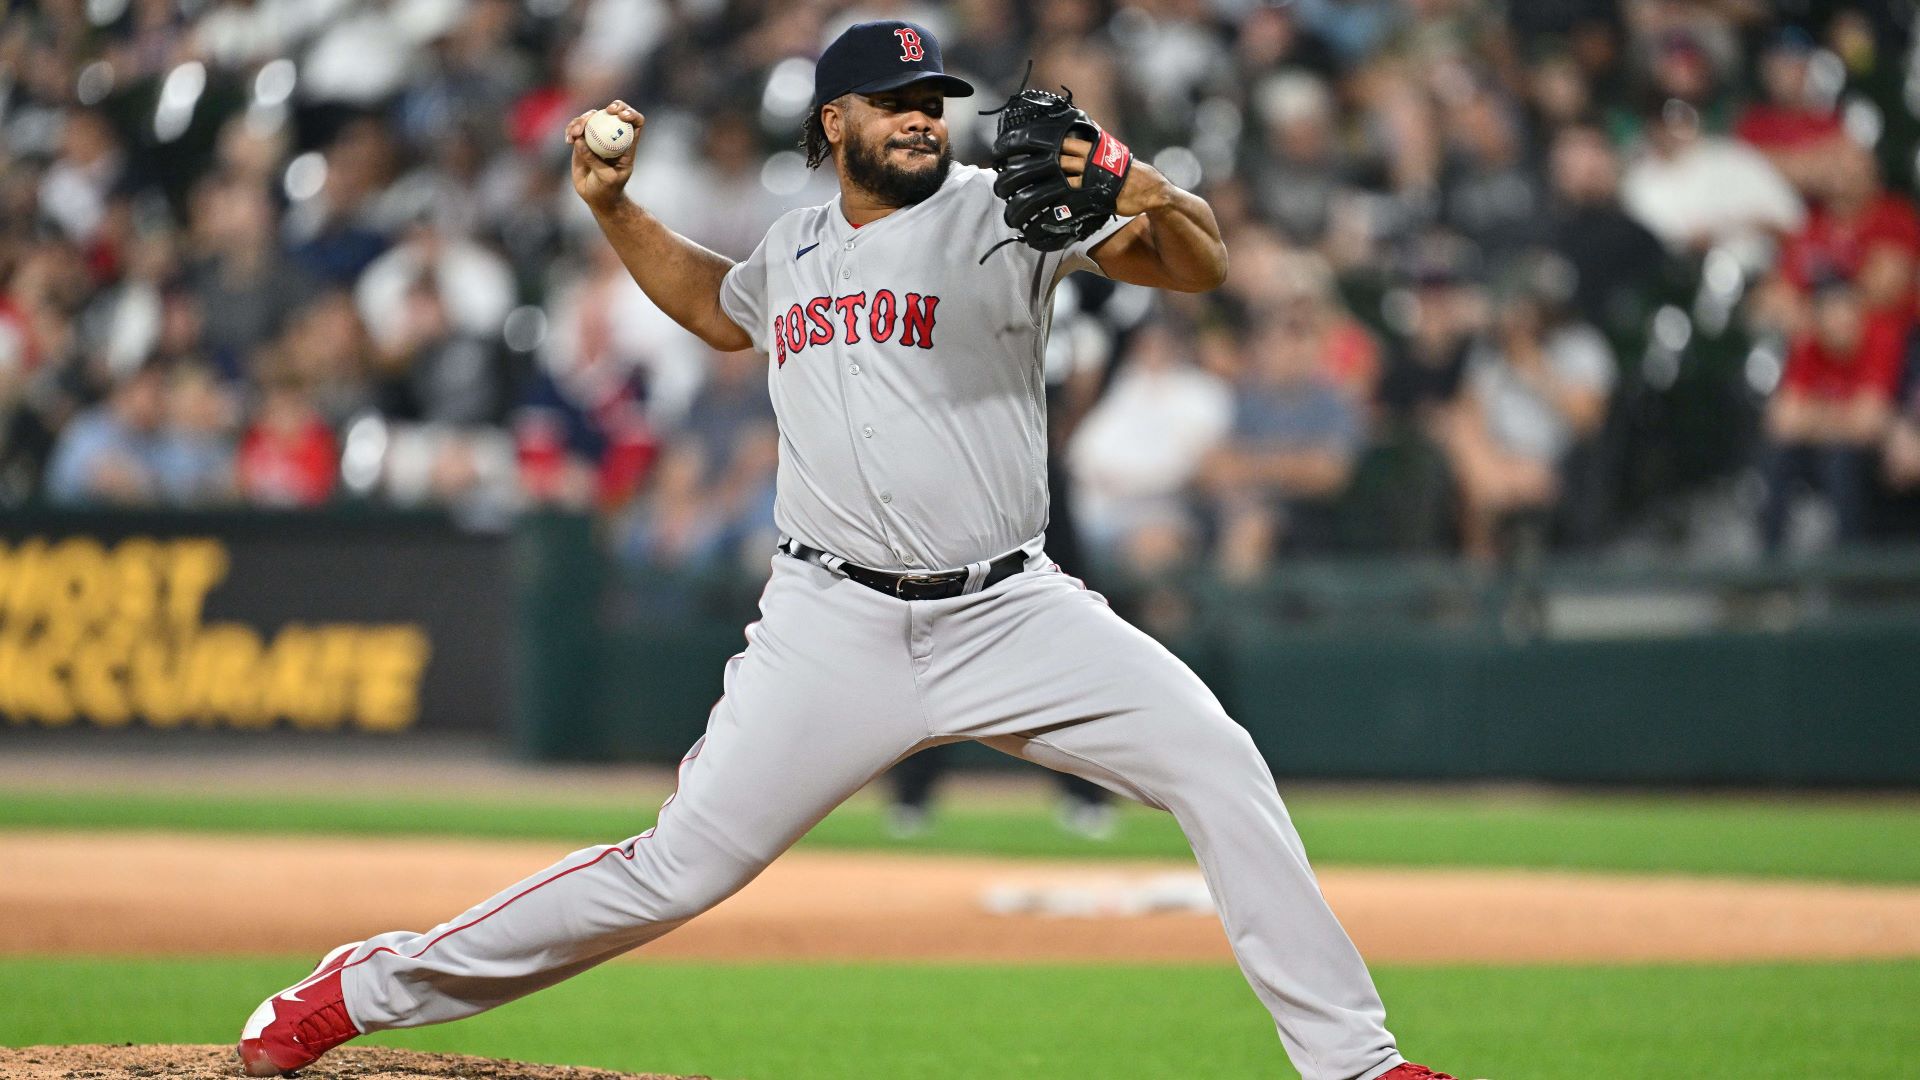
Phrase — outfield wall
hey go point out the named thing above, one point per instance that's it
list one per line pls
(1792, 674)
(381, 626)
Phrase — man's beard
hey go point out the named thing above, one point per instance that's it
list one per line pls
(868, 166)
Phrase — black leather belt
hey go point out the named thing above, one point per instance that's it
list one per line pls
(910, 586)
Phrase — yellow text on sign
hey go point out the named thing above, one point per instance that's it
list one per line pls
(114, 635)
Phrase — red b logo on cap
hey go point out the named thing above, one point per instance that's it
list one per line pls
(909, 44)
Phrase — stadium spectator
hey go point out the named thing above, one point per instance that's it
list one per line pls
(1795, 123)
(1272, 37)
(711, 497)
(1686, 54)
(75, 189)
(1437, 318)
(26, 433)
(1289, 453)
(468, 470)
(340, 221)
(474, 285)
(429, 369)
(325, 350)
(1298, 172)
(1617, 263)
(988, 41)
(195, 463)
(1493, 196)
(1305, 293)
(1697, 191)
(1559, 95)
(713, 187)
(604, 332)
(45, 293)
(288, 455)
(1831, 412)
(1858, 231)
(245, 286)
(1131, 494)
(111, 454)
(470, 69)
(1537, 387)
(1356, 29)
(336, 231)
(1175, 58)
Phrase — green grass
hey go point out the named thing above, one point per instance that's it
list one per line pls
(849, 1022)
(1849, 840)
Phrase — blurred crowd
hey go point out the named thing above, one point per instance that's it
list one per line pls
(1552, 274)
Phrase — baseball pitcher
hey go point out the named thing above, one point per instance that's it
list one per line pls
(910, 602)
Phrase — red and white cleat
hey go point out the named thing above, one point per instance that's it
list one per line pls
(1410, 1071)
(295, 1026)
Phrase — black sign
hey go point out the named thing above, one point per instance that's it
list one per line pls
(374, 624)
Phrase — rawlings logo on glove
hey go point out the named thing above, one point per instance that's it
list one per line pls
(1047, 210)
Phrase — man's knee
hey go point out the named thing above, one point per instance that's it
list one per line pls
(1214, 750)
(678, 889)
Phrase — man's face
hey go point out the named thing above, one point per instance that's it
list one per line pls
(1584, 169)
(895, 143)
(140, 402)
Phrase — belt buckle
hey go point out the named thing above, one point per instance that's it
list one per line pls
(901, 583)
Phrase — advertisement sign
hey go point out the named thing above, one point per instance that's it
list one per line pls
(278, 622)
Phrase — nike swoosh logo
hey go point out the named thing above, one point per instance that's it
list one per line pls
(290, 996)
(806, 249)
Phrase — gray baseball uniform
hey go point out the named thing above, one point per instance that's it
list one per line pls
(907, 381)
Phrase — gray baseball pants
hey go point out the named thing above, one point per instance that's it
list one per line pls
(837, 684)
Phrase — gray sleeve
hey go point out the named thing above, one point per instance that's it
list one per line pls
(743, 295)
(1078, 255)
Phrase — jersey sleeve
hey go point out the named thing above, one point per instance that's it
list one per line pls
(1079, 254)
(743, 295)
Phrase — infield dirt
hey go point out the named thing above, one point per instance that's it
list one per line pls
(196, 894)
(217, 1063)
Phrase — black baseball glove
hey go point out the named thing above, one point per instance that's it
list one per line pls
(1048, 212)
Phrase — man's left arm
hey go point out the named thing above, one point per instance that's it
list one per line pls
(1173, 241)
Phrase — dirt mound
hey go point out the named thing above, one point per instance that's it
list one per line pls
(218, 1063)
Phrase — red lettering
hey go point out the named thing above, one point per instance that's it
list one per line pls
(780, 339)
(880, 318)
(919, 320)
(850, 311)
(822, 328)
(796, 333)
(909, 45)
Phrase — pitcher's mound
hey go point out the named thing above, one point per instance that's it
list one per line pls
(219, 1063)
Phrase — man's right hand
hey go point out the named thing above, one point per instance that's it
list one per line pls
(601, 183)
(681, 278)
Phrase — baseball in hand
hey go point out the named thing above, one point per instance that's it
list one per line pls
(607, 135)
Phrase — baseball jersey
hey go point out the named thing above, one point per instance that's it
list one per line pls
(906, 375)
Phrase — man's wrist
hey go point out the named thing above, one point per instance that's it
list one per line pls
(621, 208)
(1161, 195)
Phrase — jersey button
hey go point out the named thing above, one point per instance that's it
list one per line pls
(886, 496)
(849, 245)
(846, 273)
(867, 431)
(853, 369)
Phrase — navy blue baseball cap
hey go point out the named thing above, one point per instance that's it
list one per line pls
(882, 55)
